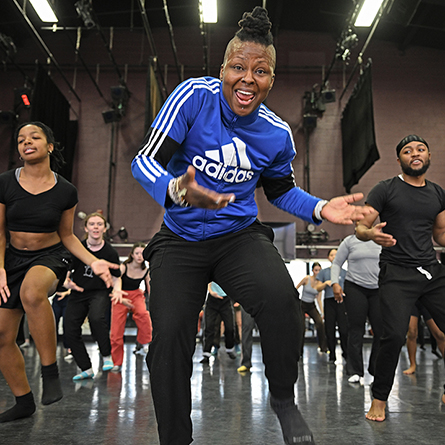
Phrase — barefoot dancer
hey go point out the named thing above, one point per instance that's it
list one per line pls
(411, 211)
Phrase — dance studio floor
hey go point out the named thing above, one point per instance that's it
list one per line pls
(229, 408)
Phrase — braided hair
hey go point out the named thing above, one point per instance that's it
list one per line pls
(255, 27)
(56, 158)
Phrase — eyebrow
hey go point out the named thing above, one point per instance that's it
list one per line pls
(32, 133)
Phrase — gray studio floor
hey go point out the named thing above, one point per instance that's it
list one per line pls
(229, 408)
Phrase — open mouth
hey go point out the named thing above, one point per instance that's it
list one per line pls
(244, 97)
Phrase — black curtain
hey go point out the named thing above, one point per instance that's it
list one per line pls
(357, 129)
(50, 106)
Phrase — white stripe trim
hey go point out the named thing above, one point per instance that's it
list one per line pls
(170, 110)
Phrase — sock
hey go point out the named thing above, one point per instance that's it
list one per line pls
(52, 390)
(293, 426)
(24, 407)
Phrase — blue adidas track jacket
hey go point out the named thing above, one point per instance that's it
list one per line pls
(230, 153)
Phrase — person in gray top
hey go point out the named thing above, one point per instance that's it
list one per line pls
(334, 312)
(361, 300)
(308, 296)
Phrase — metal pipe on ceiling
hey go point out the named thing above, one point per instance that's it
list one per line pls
(45, 48)
(172, 40)
(159, 78)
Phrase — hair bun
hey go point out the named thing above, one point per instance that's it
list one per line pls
(255, 26)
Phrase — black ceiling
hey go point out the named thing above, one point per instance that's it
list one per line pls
(408, 23)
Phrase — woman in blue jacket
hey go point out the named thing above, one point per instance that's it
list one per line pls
(206, 151)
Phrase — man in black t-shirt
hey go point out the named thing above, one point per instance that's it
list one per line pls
(411, 211)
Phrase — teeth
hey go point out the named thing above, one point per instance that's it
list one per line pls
(246, 93)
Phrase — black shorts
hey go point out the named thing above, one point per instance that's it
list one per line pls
(18, 262)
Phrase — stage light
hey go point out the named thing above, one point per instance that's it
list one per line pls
(368, 12)
(119, 97)
(328, 96)
(209, 11)
(111, 116)
(44, 11)
(310, 121)
(123, 234)
(84, 9)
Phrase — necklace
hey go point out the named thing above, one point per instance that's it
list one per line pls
(95, 247)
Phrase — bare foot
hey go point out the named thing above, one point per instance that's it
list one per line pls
(410, 370)
(443, 398)
(377, 411)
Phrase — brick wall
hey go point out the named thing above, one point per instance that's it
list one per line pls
(408, 90)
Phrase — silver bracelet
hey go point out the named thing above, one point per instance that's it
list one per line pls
(177, 195)
(318, 207)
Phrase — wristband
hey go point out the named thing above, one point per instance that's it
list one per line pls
(177, 195)
(317, 210)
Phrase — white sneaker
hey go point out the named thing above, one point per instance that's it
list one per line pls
(354, 378)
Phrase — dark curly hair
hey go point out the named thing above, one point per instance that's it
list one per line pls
(56, 158)
(255, 27)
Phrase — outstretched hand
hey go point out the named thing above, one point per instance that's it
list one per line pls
(340, 211)
(380, 237)
(101, 268)
(198, 196)
(70, 284)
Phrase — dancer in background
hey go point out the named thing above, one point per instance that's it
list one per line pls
(218, 303)
(411, 338)
(308, 297)
(133, 272)
(361, 297)
(37, 208)
(334, 311)
(91, 298)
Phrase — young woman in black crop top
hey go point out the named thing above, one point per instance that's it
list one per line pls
(133, 272)
(37, 209)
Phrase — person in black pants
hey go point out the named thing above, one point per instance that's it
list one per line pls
(334, 311)
(218, 303)
(201, 160)
(411, 211)
(90, 297)
(361, 300)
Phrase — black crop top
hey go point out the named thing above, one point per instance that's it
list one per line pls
(39, 213)
(131, 283)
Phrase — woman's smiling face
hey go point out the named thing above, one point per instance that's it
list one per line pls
(247, 75)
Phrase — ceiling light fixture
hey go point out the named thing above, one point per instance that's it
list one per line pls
(209, 10)
(368, 12)
(44, 11)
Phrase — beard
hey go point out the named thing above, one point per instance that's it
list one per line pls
(415, 172)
